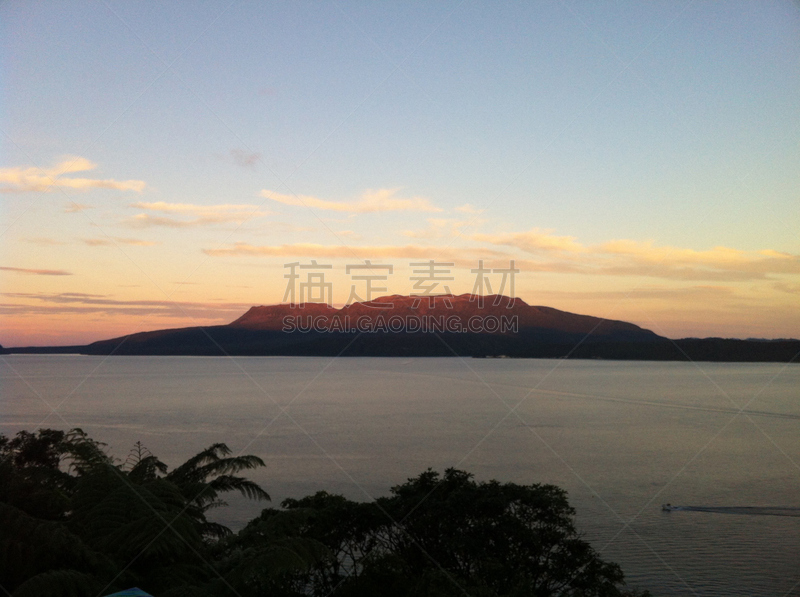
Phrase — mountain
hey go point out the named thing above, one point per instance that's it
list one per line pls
(455, 310)
(388, 326)
(445, 325)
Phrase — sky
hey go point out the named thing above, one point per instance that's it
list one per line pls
(161, 164)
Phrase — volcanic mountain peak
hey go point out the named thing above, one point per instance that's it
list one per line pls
(536, 332)
(271, 316)
(463, 307)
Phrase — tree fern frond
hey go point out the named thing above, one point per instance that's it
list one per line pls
(82, 453)
(147, 469)
(138, 453)
(226, 466)
(211, 454)
(214, 504)
(247, 488)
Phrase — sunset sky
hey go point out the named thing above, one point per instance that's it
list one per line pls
(161, 163)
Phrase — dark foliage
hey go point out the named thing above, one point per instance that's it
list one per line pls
(75, 522)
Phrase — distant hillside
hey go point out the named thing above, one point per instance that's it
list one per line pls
(447, 326)
(461, 308)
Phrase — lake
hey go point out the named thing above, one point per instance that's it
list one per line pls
(621, 437)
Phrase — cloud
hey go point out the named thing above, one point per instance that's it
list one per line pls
(37, 272)
(74, 208)
(349, 234)
(646, 252)
(269, 228)
(315, 251)
(147, 221)
(676, 272)
(700, 293)
(789, 288)
(533, 241)
(44, 241)
(77, 302)
(370, 202)
(539, 250)
(715, 263)
(624, 257)
(101, 242)
(27, 180)
(199, 215)
(244, 159)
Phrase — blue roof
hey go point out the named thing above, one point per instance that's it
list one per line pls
(134, 592)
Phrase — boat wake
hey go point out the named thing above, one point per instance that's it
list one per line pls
(741, 510)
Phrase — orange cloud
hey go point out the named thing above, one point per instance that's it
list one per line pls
(370, 202)
(200, 215)
(349, 234)
(74, 208)
(27, 180)
(533, 241)
(44, 241)
(314, 251)
(695, 293)
(37, 272)
(625, 257)
(78, 302)
(716, 263)
(100, 242)
(665, 263)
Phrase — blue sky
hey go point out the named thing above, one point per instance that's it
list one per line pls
(639, 159)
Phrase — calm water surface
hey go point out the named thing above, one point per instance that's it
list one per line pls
(621, 437)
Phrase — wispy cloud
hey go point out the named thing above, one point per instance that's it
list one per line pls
(44, 241)
(27, 180)
(370, 202)
(543, 251)
(37, 272)
(78, 302)
(73, 208)
(314, 251)
(635, 258)
(191, 215)
(245, 159)
(102, 242)
(697, 293)
(718, 263)
(349, 234)
(533, 241)
(788, 288)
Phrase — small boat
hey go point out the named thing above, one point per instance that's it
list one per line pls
(667, 507)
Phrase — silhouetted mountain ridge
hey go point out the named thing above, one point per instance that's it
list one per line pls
(382, 327)
(461, 307)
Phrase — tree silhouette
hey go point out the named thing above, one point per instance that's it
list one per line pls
(76, 522)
